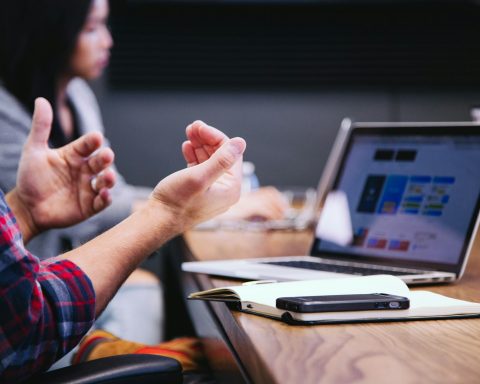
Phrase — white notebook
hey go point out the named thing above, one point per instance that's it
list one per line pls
(260, 299)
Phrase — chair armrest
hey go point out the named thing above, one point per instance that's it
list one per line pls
(121, 369)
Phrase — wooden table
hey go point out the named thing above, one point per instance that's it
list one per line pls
(260, 350)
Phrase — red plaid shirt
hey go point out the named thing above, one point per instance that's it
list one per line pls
(45, 307)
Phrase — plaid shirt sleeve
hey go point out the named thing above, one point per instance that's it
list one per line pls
(45, 307)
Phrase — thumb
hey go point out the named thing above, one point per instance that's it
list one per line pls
(222, 160)
(42, 122)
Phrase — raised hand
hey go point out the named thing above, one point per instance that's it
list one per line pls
(210, 184)
(266, 203)
(60, 187)
(207, 187)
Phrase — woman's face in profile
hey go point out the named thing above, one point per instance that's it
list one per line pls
(92, 50)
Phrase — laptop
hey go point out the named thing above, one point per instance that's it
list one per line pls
(412, 191)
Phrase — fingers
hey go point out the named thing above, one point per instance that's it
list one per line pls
(201, 134)
(195, 156)
(275, 211)
(84, 146)
(266, 203)
(104, 180)
(204, 140)
(41, 123)
(225, 158)
(273, 198)
(201, 154)
(189, 153)
(101, 160)
(101, 186)
(102, 200)
(267, 211)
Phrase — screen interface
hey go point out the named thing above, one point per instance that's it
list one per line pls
(410, 197)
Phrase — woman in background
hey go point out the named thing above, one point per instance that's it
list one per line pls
(50, 48)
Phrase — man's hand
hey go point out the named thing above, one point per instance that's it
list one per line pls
(210, 184)
(59, 187)
(266, 203)
(207, 187)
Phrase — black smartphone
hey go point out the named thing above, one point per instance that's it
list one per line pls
(336, 303)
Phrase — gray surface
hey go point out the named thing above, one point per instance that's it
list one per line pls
(288, 134)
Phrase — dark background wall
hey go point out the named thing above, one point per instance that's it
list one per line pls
(282, 76)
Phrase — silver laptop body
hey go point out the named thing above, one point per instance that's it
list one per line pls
(413, 192)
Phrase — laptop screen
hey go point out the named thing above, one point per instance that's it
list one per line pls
(413, 195)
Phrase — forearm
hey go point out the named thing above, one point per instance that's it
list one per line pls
(110, 258)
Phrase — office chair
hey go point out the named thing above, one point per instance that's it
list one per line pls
(121, 369)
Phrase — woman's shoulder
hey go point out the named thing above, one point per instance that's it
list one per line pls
(86, 105)
(78, 87)
(12, 112)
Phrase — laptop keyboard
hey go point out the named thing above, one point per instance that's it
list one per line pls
(352, 270)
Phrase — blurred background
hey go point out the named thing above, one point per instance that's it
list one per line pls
(282, 74)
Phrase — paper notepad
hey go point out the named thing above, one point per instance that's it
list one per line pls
(260, 299)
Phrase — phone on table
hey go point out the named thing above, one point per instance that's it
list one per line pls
(336, 303)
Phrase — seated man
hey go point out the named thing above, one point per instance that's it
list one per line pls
(46, 307)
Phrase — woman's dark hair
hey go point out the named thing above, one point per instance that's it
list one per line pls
(37, 39)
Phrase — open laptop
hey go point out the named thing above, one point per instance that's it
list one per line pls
(413, 195)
